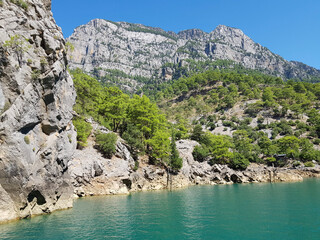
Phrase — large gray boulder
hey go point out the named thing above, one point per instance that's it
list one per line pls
(37, 138)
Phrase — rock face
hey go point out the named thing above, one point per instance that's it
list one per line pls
(138, 50)
(37, 138)
(94, 175)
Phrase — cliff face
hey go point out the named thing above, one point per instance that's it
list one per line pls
(139, 50)
(37, 138)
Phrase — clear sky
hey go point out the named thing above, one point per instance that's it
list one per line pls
(290, 28)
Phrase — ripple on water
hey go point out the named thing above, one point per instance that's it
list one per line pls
(248, 211)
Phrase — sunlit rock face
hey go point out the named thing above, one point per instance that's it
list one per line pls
(138, 50)
(37, 138)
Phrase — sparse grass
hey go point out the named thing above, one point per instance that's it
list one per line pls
(20, 3)
(43, 62)
(6, 107)
(35, 74)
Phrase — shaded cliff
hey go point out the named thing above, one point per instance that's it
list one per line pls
(37, 138)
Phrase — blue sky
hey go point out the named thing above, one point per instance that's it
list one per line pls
(290, 28)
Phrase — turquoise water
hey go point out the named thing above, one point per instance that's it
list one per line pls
(244, 211)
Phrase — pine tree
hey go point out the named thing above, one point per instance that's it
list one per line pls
(175, 160)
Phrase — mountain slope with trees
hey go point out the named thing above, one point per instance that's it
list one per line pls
(130, 55)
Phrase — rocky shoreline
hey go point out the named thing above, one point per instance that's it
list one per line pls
(94, 175)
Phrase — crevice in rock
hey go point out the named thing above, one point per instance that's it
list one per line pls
(62, 164)
(48, 99)
(127, 182)
(36, 194)
(29, 127)
(48, 129)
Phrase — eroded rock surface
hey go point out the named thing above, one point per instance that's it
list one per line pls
(37, 138)
(138, 50)
(116, 175)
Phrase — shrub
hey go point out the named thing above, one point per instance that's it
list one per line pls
(134, 138)
(271, 160)
(228, 124)
(20, 3)
(136, 166)
(35, 74)
(27, 139)
(239, 161)
(316, 141)
(106, 143)
(197, 133)
(200, 153)
(83, 131)
(211, 126)
(5, 107)
(309, 164)
(296, 164)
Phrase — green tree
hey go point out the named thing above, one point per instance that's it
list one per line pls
(18, 45)
(159, 147)
(197, 133)
(289, 145)
(243, 144)
(239, 161)
(106, 143)
(134, 137)
(268, 97)
(83, 131)
(219, 147)
(200, 153)
(175, 160)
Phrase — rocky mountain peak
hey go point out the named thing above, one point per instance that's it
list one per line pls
(141, 51)
(192, 34)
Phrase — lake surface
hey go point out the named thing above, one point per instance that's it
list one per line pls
(239, 211)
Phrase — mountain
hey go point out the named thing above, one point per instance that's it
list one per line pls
(139, 51)
(37, 137)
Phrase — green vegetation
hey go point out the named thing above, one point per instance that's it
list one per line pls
(275, 120)
(175, 161)
(106, 143)
(26, 139)
(5, 107)
(118, 78)
(83, 131)
(18, 45)
(69, 47)
(289, 111)
(309, 164)
(1, 3)
(20, 3)
(136, 119)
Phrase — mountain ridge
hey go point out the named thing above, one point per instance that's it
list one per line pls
(139, 50)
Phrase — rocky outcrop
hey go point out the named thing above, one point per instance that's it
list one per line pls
(37, 138)
(94, 175)
(138, 50)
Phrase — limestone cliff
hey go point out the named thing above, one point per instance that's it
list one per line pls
(138, 50)
(37, 138)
